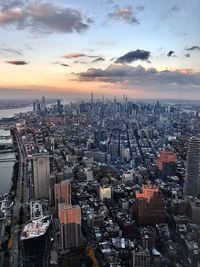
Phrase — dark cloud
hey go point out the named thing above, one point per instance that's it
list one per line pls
(124, 14)
(17, 62)
(60, 63)
(81, 55)
(139, 76)
(187, 55)
(43, 17)
(80, 62)
(11, 51)
(171, 54)
(133, 56)
(64, 65)
(98, 59)
(74, 55)
(89, 20)
(192, 48)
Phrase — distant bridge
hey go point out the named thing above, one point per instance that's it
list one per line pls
(8, 160)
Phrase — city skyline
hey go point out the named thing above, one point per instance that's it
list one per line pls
(100, 183)
(139, 48)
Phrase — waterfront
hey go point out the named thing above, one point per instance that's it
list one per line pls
(6, 168)
(7, 113)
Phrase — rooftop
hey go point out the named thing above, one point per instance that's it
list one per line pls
(36, 228)
(40, 220)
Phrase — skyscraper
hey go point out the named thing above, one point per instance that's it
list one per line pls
(150, 206)
(166, 163)
(43, 104)
(41, 172)
(192, 178)
(92, 98)
(36, 237)
(62, 193)
(70, 226)
(59, 106)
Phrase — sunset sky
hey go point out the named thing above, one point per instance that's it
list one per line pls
(141, 48)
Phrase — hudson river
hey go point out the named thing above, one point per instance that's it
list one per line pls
(6, 168)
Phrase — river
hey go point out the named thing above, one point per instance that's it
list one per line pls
(6, 113)
(6, 168)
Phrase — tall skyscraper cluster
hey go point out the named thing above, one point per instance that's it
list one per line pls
(39, 106)
(36, 234)
(69, 215)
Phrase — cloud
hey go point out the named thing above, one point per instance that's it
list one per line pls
(130, 76)
(192, 48)
(171, 54)
(105, 43)
(13, 16)
(175, 8)
(124, 14)
(170, 12)
(77, 55)
(80, 62)
(17, 62)
(64, 65)
(9, 4)
(133, 56)
(140, 8)
(60, 63)
(74, 55)
(11, 51)
(187, 55)
(43, 17)
(109, 2)
(98, 59)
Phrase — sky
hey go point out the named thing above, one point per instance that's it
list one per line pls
(140, 48)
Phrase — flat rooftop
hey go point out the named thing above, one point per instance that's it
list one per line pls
(36, 228)
(39, 209)
(40, 220)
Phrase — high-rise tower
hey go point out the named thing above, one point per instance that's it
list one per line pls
(62, 193)
(41, 172)
(192, 178)
(92, 98)
(70, 225)
(36, 236)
